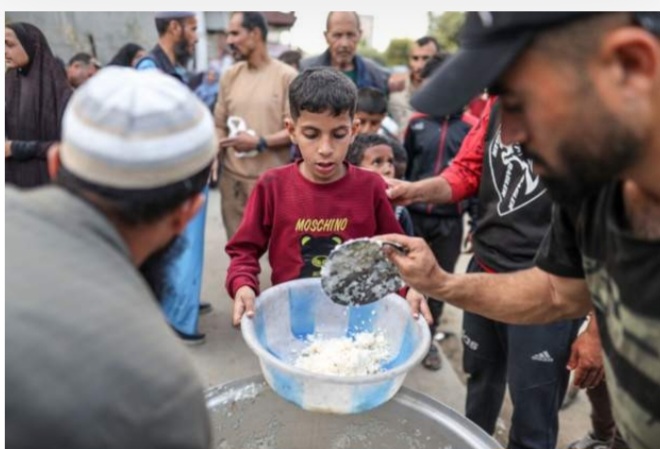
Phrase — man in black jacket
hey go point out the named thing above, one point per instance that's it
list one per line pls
(431, 143)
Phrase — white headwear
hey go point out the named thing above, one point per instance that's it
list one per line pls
(130, 129)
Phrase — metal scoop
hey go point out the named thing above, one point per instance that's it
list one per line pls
(357, 272)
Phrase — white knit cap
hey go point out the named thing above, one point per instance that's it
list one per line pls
(130, 129)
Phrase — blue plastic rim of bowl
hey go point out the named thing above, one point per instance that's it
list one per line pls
(303, 321)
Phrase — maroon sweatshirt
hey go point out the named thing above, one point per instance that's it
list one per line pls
(299, 222)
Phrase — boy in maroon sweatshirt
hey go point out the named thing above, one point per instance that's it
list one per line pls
(301, 211)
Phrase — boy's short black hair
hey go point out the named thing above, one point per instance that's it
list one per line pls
(321, 89)
(363, 142)
(371, 101)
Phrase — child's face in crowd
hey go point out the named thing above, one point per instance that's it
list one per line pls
(369, 123)
(379, 159)
(323, 140)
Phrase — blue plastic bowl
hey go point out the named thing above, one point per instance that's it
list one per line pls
(285, 315)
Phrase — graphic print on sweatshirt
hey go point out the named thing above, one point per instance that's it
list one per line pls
(513, 178)
(315, 251)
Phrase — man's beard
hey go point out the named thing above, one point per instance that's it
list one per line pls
(157, 267)
(236, 54)
(593, 160)
(181, 52)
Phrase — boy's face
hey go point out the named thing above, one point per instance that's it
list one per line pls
(369, 123)
(379, 159)
(323, 140)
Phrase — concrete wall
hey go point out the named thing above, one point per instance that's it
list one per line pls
(72, 32)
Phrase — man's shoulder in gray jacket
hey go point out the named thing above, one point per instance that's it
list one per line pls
(378, 73)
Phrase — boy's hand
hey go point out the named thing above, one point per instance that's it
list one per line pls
(419, 304)
(243, 303)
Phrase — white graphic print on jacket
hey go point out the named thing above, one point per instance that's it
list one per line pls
(513, 178)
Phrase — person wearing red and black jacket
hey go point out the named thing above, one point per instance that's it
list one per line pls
(514, 215)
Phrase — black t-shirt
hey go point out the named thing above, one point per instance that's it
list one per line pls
(623, 275)
(514, 208)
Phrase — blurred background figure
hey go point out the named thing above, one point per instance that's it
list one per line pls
(79, 69)
(208, 90)
(399, 105)
(431, 144)
(343, 33)
(371, 109)
(291, 57)
(177, 36)
(36, 93)
(224, 58)
(128, 55)
(255, 89)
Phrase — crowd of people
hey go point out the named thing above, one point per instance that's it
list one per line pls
(543, 127)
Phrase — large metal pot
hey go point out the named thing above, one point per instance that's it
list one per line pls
(247, 414)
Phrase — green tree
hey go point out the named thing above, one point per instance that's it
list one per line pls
(445, 28)
(397, 51)
(371, 53)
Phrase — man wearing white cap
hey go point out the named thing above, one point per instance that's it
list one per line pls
(90, 360)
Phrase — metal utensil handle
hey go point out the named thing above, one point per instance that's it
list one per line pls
(402, 249)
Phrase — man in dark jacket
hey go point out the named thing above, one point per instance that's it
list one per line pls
(431, 144)
(177, 36)
(343, 33)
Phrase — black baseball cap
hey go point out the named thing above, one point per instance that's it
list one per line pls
(490, 43)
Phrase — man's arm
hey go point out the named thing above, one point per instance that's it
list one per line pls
(555, 289)
(431, 190)
(457, 182)
(529, 296)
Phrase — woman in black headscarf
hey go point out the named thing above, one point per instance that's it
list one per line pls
(36, 93)
(128, 55)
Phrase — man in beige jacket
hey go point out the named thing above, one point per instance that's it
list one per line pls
(255, 90)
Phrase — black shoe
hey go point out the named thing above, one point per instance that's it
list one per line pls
(191, 339)
(204, 308)
(432, 361)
